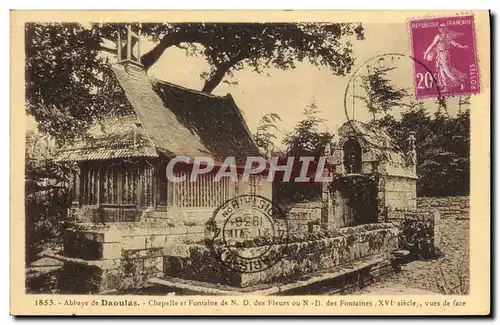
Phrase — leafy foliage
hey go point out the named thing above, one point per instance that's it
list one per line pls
(265, 133)
(306, 139)
(417, 236)
(443, 148)
(46, 194)
(463, 101)
(380, 94)
(442, 142)
(232, 47)
(68, 83)
(361, 190)
(68, 80)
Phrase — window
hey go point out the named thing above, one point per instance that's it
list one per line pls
(110, 185)
(90, 185)
(205, 192)
(147, 186)
(352, 157)
(118, 184)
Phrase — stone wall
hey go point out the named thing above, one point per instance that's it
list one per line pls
(400, 192)
(303, 217)
(100, 258)
(449, 207)
(299, 258)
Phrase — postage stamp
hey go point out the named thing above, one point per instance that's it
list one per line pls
(447, 46)
(248, 233)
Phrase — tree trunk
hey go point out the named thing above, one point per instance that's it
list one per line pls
(150, 58)
(215, 78)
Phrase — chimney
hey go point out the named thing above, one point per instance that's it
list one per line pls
(130, 60)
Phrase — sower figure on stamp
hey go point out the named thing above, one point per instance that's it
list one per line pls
(447, 75)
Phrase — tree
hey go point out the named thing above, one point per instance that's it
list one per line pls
(306, 139)
(442, 105)
(442, 142)
(463, 101)
(67, 77)
(68, 84)
(443, 149)
(380, 94)
(46, 194)
(265, 133)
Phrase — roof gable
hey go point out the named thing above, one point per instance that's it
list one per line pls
(372, 135)
(378, 146)
(183, 122)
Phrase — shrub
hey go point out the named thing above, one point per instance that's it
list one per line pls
(417, 236)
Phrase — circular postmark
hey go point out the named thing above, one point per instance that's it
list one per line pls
(380, 64)
(247, 233)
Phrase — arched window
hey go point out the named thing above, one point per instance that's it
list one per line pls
(352, 157)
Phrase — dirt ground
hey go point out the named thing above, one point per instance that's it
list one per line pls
(447, 275)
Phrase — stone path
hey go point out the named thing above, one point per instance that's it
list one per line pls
(385, 288)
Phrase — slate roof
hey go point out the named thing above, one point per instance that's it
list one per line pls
(172, 121)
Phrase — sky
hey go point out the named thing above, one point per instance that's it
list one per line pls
(287, 93)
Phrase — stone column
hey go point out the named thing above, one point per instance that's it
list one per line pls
(75, 200)
(382, 207)
(326, 207)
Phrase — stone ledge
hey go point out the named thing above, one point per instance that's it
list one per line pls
(103, 264)
(113, 233)
(210, 288)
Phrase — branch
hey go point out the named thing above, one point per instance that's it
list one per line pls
(168, 40)
(216, 77)
(150, 58)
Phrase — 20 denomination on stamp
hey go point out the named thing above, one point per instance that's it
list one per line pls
(448, 46)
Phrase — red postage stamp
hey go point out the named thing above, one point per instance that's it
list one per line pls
(444, 53)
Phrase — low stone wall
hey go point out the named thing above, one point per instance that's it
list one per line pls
(449, 207)
(304, 217)
(299, 258)
(100, 258)
(95, 214)
(400, 192)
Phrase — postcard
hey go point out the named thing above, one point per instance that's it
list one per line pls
(250, 163)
